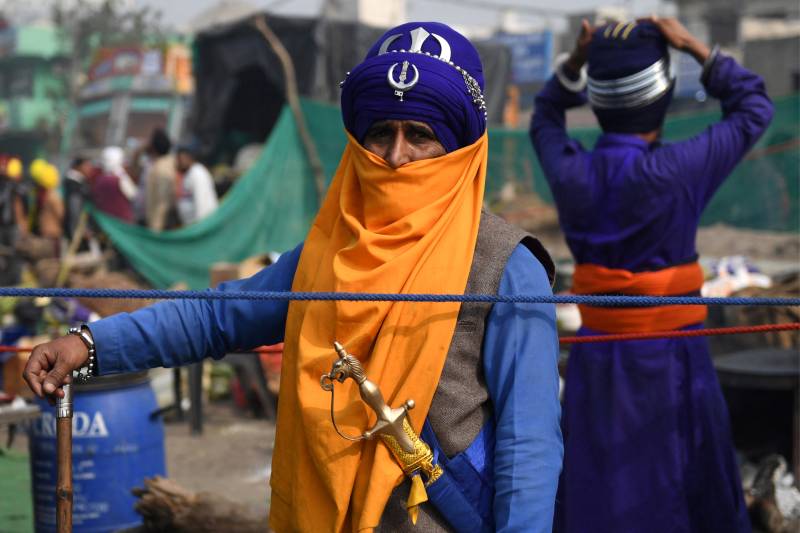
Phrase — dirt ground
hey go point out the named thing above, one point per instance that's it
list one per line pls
(773, 251)
(231, 458)
(719, 240)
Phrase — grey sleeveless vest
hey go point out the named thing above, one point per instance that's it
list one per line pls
(461, 404)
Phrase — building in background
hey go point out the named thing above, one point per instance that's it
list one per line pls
(33, 96)
(771, 47)
(383, 14)
(763, 34)
(128, 92)
(531, 65)
(221, 13)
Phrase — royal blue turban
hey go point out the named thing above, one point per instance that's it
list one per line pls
(447, 95)
(630, 86)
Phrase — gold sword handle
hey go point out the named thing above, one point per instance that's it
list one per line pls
(392, 426)
(420, 460)
(409, 451)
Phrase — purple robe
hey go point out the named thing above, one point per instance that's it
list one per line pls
(646, 429)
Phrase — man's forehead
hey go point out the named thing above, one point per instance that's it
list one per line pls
(395, 121)
(398, 122)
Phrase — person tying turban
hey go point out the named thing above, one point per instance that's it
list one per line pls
(403, 214)
(646, 431)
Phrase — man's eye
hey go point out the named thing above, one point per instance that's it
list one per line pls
(422, 135)
(378, 133)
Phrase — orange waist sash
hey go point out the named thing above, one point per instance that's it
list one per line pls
(673, 281)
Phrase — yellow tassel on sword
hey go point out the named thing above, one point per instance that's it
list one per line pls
(416, 497)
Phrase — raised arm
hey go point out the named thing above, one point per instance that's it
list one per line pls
(171, 333)
(563, 91)
(520, 362)
(705, 160)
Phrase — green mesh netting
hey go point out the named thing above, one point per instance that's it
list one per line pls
(272, 205)
(762, 193)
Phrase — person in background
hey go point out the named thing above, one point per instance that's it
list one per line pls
(113, 190)
(197, 197)
(646, 431)
(47, 215)
(159, 183)
(12, 218)
(76, 192)
(138, 168)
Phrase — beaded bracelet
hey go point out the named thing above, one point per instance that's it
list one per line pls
(88, 370)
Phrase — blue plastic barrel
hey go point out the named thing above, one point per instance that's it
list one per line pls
(115, 446)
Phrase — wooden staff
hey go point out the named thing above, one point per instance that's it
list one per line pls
(64, 451)
(69, 258)
(293, 99)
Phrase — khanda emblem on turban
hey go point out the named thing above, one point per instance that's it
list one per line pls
(401, 85)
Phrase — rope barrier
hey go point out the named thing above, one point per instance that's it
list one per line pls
(595, 300)
(734, 330)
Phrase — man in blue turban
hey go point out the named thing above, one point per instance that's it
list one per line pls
(402, 215)
(647, 438)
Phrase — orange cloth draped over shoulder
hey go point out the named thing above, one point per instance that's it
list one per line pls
(677, 280)
(407, 230)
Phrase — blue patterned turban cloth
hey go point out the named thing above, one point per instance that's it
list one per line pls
(423, 71)
(629, 83)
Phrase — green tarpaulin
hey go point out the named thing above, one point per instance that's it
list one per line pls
(272, 205)
(270, 208)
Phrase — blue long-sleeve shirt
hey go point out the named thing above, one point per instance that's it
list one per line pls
(633, 205)
(520, 352)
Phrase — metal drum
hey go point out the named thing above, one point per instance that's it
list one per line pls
(115, 446)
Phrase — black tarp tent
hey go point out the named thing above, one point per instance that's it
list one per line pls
(239, 80)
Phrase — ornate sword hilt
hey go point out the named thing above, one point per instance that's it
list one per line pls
(392, 426)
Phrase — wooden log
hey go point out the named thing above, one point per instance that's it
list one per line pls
(165, 506)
